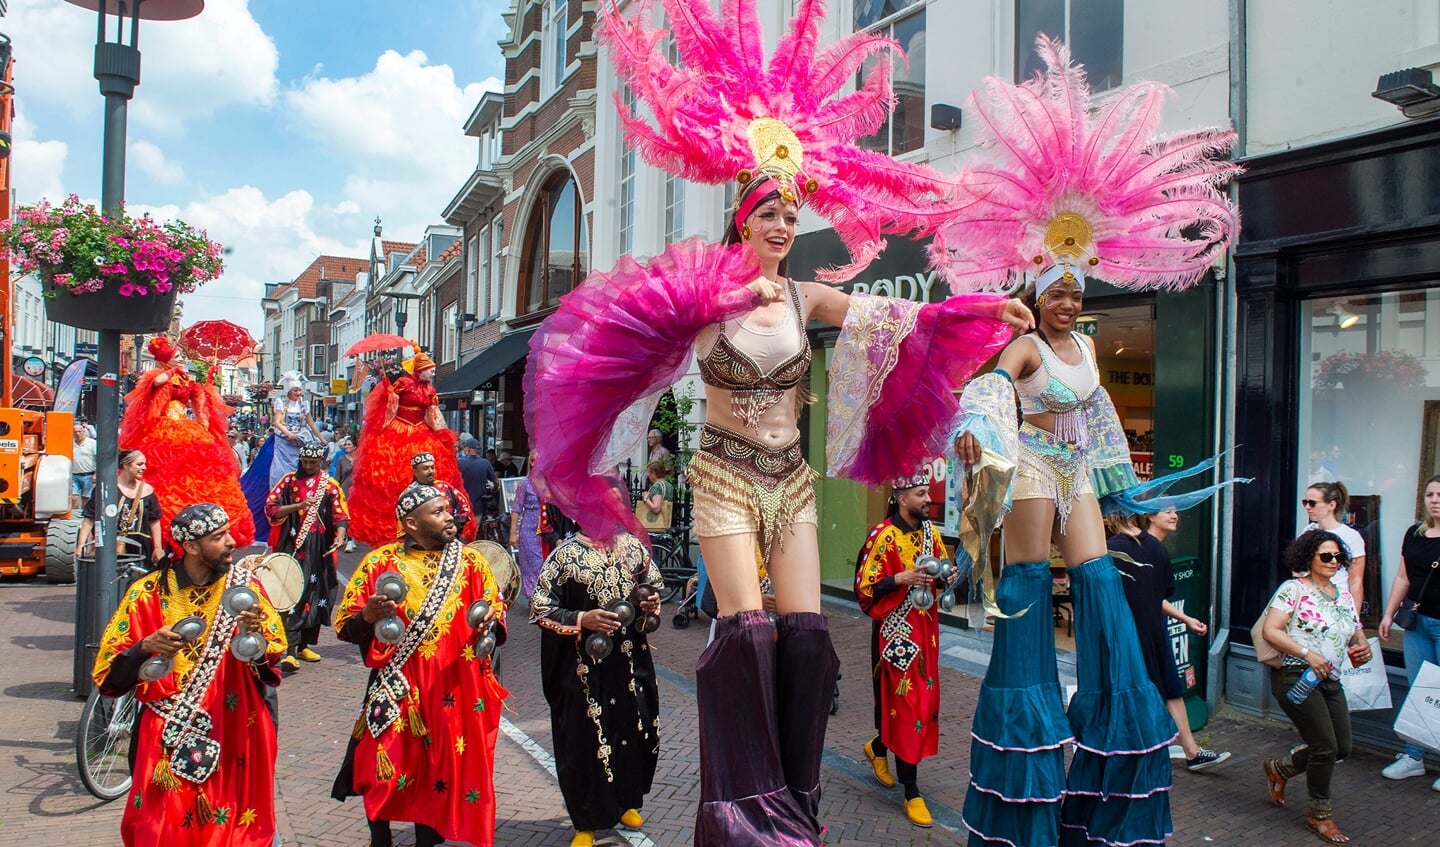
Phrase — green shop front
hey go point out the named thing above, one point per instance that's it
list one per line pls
(1157, 359)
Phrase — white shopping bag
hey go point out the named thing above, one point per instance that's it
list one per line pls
(1366, 687)
(1419, 719)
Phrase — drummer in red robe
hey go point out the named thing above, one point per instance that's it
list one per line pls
(424, 748)
(210, 780)
(422, 467)
(905, 642)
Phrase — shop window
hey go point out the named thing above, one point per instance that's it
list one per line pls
(556, 251)
(1369, 417)
(1094, 30)
(904, 129)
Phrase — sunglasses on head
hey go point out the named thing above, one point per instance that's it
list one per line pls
(1327, 557)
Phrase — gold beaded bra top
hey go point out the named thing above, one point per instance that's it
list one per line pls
(731, 364)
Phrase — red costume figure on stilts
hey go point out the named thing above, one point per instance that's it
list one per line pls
(402, 418)
(190, 458)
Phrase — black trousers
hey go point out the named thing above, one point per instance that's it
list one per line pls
(1323, 721)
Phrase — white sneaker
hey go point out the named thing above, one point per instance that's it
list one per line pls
(1405, 767)
(1435, 785)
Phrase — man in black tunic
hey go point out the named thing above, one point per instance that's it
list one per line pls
(308, 517)
(603, 713)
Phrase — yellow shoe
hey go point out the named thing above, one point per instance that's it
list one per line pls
(918, 812)
(632, 819)
(290, 664)
(583, 839)
(309, 655)
(881, 766)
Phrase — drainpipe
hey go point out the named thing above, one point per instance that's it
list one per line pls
(1221, 535)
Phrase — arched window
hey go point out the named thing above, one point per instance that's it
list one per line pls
(557, 255)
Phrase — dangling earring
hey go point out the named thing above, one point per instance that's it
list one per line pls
(745, 231)
(1040, 302)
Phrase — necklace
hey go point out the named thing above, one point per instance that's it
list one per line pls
(1328, 596)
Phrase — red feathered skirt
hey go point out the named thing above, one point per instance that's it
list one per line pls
(186, 465)
(382, 471)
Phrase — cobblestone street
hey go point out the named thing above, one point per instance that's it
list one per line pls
(44, 802)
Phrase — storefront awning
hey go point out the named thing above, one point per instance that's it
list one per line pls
(30, 393)
(492, 361)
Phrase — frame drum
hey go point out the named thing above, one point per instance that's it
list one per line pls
(280, 575)
(502, 565)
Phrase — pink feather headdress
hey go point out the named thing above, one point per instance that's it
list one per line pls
(723, 113)
(1083, 187)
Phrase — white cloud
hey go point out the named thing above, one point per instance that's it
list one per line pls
(38, 166)
(150, 159)
(269, 240)
(398, 128)
(188, 68)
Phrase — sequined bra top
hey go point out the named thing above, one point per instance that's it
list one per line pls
(738, 364)
(1056, 386)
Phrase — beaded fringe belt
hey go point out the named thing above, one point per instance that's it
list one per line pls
(771, 484)
(1053, 462)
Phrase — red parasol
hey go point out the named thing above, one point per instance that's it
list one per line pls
(376, 343)
(217, 341)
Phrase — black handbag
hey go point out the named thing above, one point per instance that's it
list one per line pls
(1404, 616)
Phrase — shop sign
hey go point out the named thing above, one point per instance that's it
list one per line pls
(1144, 465)
(1191, 588)
(916, 286)
(339, 386)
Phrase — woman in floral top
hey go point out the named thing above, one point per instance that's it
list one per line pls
(1314, 624)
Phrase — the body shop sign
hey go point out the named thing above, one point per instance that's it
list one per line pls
(900, 271)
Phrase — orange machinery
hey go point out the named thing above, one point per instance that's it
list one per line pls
(34, 446)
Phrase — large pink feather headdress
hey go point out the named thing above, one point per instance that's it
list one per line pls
(1083, 187)
(723, 113)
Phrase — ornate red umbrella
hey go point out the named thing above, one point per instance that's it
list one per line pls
(376, 343)
(217, 341)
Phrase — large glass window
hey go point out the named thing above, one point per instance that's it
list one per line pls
(1369, 414)
(1094, 30)
(556, 253)
(627, 183)
(674, 209)
(552, 61)
(494, 280)
(904, 129)
(474, 296)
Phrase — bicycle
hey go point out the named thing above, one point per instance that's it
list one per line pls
(102, 742)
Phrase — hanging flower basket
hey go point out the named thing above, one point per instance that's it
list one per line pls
(1395, 369)
(109, 272)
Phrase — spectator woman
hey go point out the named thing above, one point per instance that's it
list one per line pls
(527, 535)
(1326, 503)
(1419, 559)
(1315, 625)
(661, 490)
(140, 512)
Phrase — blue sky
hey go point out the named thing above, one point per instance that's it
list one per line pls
(284, 127)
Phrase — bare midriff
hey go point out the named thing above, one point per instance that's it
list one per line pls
(777, 427)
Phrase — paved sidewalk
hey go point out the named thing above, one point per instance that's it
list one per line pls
(43, 802)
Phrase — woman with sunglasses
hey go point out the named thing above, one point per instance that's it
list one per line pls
(1315, 625)
(1325, 504)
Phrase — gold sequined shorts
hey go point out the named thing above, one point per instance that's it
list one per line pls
(742, 486)
(1050, 468)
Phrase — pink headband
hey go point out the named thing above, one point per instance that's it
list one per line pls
(756, 196)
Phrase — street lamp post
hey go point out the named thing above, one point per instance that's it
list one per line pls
(402, 306)
(117, 69)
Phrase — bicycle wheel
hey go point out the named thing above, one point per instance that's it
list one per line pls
(102, 745)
